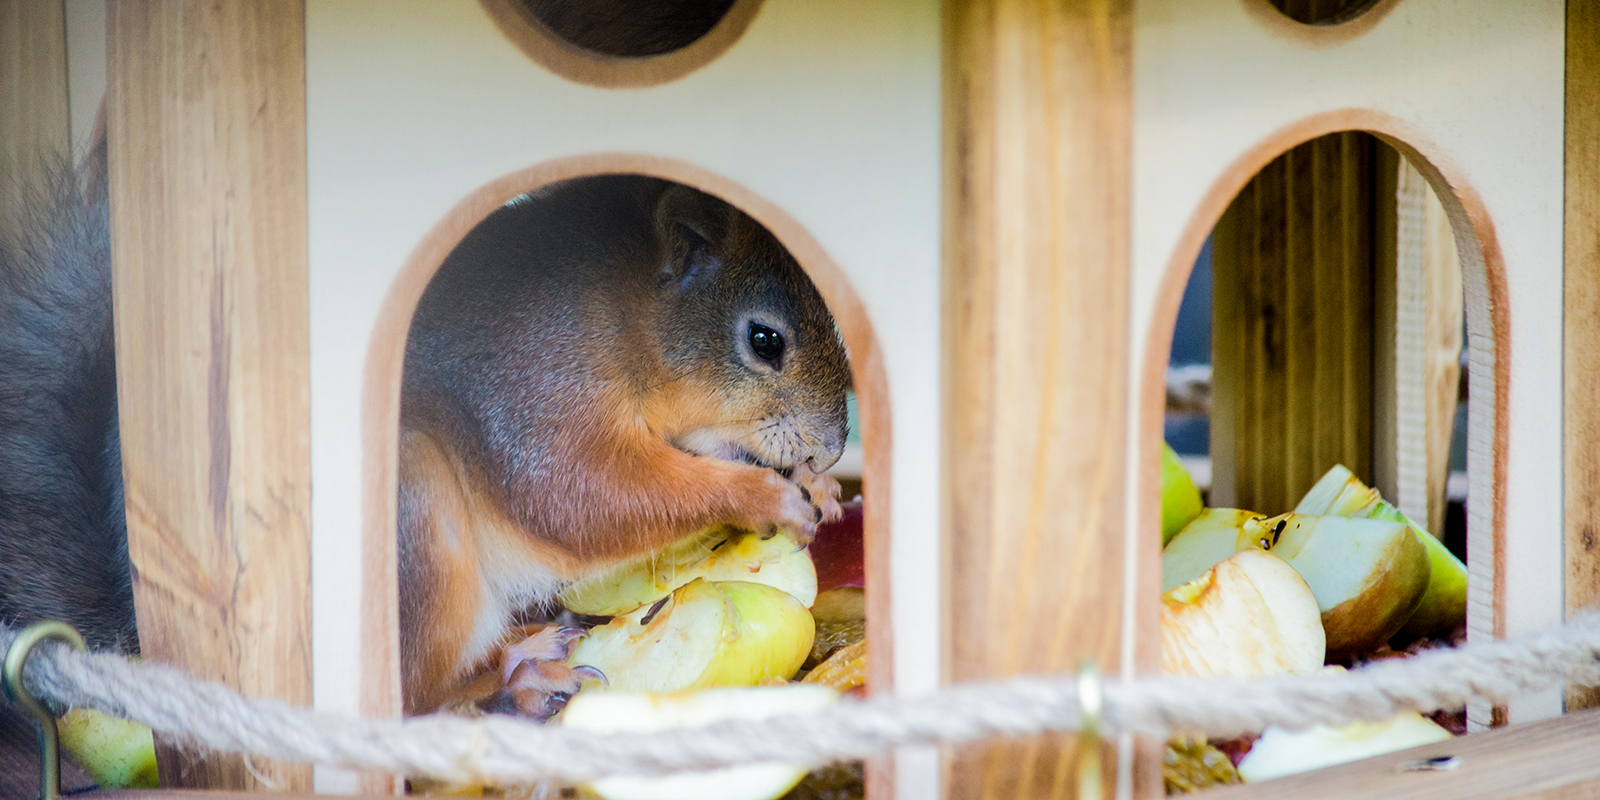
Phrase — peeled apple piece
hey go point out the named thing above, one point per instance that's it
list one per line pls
(717, 554)
(724, 633)
(118, 753)
(1209, 538)
(1180, 499)
(1444, 604)
(627, 711)
(1249, 616)
(1368, 576)
(1279, 752)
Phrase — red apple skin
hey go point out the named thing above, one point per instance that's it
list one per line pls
(837, 551)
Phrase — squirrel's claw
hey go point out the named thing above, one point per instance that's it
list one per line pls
(537, 680)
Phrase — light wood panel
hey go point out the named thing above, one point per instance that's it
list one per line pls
(206, 117)
(1036, 313)
(1582, 316)
(1291, 326)
(34, 120)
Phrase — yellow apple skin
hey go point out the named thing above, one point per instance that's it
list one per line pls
(720, 553)
(1180, 499)
(724, 633)
(1249, 616)
(118, 753)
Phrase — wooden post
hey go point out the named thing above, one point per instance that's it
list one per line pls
(1292, 310)
(34, 127)
(1037, 172)
(1582, 317)
(206, 120)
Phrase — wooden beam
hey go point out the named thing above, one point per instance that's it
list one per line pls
(1582, 316)
(1037, 172)
(34, 120)
(206, 114)
(1292, 310)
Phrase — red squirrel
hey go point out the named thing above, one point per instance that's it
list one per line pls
(598, 370)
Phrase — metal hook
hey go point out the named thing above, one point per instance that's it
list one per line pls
(1090, 706)
(16, 657)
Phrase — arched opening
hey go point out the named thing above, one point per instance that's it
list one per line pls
(616, 43)
(866, 463)
(1264, 274)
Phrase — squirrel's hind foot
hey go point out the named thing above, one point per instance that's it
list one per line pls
(536, 680)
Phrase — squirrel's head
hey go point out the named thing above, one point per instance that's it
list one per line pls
(755, 370)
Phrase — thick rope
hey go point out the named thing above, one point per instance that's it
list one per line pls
(511, 751)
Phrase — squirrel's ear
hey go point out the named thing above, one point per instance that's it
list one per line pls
(690, 226)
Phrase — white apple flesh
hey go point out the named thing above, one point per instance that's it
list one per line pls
(1249, 616)
(1211, 537)
(715, 554)
(1279, 752)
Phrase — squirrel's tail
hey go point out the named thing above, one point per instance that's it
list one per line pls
(63, 536)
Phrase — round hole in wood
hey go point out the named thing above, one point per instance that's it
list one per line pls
(622, 43)
(1322, 12)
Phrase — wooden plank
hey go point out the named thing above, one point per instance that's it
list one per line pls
(1292, 325)
(1546, 760)
(1582, 317)
(1036, 358)
(34, 126)
(1443, 316)
(208, 190)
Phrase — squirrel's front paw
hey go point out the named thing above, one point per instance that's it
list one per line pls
(537, 680)
(777, 502)
(822, 490)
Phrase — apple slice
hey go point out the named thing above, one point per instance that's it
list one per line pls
(1209, 538)
(1444, 604)
(119, 754)
(1279, 752)
(838, 551)
(1249, 616)
(1180, 499)
(715, 554)
(627, 711)
(1368, 576)
(728, 633)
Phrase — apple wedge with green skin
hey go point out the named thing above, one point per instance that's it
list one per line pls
(1209, 538)
(1368, 576)
(1180, 499)
(628, 711)
(1280, 752)
(119, 754)
(724, 633)
(1249, 616)
(1444, 605)
(715, 554)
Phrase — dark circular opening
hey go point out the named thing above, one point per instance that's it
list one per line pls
(628, 28)
(1322, 12)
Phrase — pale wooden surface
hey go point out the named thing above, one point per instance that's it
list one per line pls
(1292, 326)
(1036, 286)
(1582, 343)
(208, 191)
(1443, 317)
(1547, 760)
(34, 120)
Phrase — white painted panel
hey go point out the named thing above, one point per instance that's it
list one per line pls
(827, 108)
(1483, 82)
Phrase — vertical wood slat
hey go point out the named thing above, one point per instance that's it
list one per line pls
(1036, 358)
(34, 121)
(1443, 339)
(1292, 325)
(206, 123)
(1582, 317)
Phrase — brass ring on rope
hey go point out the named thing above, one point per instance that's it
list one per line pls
(1090, 706)
(16, 656)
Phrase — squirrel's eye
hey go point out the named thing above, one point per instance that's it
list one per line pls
(766, 342)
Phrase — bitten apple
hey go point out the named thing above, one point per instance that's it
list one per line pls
(727, 633)
(716, 554)
(1249, 616)
(1368, 576)
(1209, 538)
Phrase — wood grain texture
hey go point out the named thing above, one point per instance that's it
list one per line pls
(1443, 338)
(206, 113)
(1292, 326)
(1582, 316)
(1037, 100)
(35, 129)
(1545, 760)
